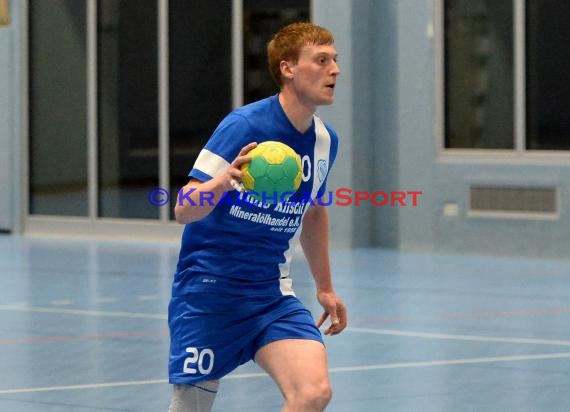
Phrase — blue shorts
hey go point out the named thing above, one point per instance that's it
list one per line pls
(211, 334)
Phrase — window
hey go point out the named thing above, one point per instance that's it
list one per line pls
(57, 96)
(262, 19)
(124, 94)
(127, 107)
(200, 80)
(484, 65)
(548, 75)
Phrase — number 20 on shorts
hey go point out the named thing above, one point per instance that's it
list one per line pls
(197, 359)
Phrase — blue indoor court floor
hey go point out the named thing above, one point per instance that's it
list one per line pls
(83, 328)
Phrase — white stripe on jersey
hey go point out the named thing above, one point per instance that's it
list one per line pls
(285, 282)
(211, 163)
(322, 153)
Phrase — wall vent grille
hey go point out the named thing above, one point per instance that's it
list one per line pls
(512, 199)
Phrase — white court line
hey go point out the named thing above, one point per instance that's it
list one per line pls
(79, 387)
(61, 302)
(100, 313)
(471, 338)
(147, 297)
(465, 361)
(401, 365)
(105, 300)
(392, 332)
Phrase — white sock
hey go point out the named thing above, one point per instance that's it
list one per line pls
(193, 398)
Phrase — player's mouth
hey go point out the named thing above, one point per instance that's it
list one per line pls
(330, 85)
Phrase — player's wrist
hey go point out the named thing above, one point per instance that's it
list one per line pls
(222, 184)
(325, 290)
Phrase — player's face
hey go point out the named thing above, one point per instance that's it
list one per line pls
(315, 74)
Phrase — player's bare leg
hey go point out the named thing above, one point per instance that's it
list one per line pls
(299, 367)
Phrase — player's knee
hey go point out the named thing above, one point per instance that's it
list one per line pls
(325, 395)
(314, 397)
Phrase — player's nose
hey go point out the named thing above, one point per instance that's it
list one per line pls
(335, 69)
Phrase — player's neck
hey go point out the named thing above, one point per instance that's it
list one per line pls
(300, 115)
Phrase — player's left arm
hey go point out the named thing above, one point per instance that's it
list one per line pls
(315, 243)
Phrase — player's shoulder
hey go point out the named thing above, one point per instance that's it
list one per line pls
(240, 127)
(247, 118)
(237, 122)
(258, 118)
(257, 108)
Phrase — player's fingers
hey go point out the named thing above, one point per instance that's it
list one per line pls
(322, 319)
(334, 320)
(332, 329)
(247, 148)
(338, 322)
(241, 159)
(334, 317)
(237, 185)
(342, 319)
(341, 313)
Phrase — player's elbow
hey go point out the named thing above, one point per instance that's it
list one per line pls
(181, 215)
(184, 213)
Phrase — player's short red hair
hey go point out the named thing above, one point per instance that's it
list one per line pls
(287, 44)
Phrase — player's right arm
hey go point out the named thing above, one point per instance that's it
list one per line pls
(191, 205)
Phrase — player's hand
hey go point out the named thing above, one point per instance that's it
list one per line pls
(234, 173)
(334, 308)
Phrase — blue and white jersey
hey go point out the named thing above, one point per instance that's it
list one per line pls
(244, 246)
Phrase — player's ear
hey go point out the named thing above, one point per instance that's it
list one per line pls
(286, 69)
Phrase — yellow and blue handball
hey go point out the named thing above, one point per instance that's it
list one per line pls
(274, 173)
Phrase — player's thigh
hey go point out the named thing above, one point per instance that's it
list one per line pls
(208, 337)
(295, 364)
